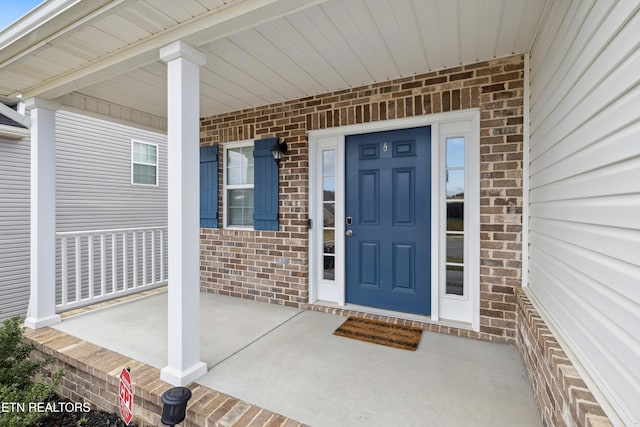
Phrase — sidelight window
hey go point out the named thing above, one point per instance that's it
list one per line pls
(455, 233)
(329, 213)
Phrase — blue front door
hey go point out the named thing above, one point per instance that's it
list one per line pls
(388, 220)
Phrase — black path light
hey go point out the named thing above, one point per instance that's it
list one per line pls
(175, 401)
(279, 148)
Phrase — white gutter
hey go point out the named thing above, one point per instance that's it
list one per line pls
(33, 20)
(12, 132)
(52, 18)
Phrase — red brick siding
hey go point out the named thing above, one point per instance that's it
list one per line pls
(273, 266)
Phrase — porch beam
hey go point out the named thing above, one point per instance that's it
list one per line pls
(183, 108)
(42, 300)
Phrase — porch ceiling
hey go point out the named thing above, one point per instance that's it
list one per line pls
(262, 51)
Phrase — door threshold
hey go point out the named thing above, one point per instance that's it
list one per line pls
(396, 314)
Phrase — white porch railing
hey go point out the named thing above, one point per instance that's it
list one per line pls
(98, 265)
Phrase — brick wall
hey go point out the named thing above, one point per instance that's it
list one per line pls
(562, 395)
(273, 266)
(92, 376)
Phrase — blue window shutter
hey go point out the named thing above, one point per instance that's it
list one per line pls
(209, 187)
(265, 187)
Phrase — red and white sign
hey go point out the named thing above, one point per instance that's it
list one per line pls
(126, 396)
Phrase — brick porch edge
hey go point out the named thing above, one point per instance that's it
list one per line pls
(92, 376)
(563, 397)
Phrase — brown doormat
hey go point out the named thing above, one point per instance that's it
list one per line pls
(398, 336)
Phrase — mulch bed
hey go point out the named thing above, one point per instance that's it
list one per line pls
(75, 418)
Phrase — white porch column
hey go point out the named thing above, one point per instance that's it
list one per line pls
(183, 109)
(42, 300)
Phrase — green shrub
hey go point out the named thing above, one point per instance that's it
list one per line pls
(20, 382)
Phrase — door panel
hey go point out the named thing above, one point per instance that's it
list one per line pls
(388, 195)
(403, 201)
(370, 197)
(404, 266)
(370, 265)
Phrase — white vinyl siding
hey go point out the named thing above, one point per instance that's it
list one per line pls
(93, 192)
(584, 223)
(14, 228)
(93, 176)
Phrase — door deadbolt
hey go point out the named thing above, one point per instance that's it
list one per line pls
(348, 220)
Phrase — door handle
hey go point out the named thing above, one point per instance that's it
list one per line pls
(349, 233)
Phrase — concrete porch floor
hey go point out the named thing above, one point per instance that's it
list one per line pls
(287, 360)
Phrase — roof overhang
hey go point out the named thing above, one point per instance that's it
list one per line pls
(258, 51)
(48, 18)
(19, 129)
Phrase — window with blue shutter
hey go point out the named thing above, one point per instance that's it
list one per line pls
(209, 187)
(265, 194)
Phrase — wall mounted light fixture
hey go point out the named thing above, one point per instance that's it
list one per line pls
(279, 148)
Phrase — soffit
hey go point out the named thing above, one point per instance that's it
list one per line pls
(329, 46)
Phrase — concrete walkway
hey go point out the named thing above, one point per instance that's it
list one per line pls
(288, 361)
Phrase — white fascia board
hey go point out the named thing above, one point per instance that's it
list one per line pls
(198, 31)
(14, 115)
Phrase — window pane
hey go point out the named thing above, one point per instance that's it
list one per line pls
(455, 280)
(455, 152)
(241, 156)
(234, 157)
(145, 153)
(240, 166)
(243, 197)
(235, 216)
(248, 175)
(329, 163)
(151, 175)
(329, 215)
(329, 242)
(144, 174)
(136, 152)
(455, 248)
(329, 189)
(240, 217)
(455, 216)
(455, 184)
(153, 153)
(329, 267)
(235, 176)
(329, 218)
(240, 207)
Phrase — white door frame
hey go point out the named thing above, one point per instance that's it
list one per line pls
(464, 311)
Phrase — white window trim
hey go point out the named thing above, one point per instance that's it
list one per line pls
(332, 293)
(226, 147)
(157, 163)
(462, 307)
